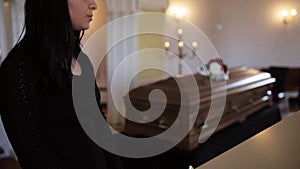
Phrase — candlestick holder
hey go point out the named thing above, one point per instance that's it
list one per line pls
(182, 50)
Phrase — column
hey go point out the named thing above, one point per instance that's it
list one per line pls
(3, 38)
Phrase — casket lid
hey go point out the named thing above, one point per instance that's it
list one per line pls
(240, 79)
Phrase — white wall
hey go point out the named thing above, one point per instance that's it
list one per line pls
(17, 19)
(3, 38)
(252, 31)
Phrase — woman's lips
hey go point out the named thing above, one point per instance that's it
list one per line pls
(90, 17)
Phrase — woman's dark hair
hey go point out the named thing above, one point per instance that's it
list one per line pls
(48, 28)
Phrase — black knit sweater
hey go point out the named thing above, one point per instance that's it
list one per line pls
(41, 122)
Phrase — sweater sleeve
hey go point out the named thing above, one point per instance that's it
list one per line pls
(22, 120)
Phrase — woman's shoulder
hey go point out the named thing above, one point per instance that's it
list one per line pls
(19, 62)
(20, 57)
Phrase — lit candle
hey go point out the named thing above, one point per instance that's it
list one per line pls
(180, 31)
(179, 12)
(285, 13)
(181, 44)
(167, 45)
(293, 12)
(194, 44)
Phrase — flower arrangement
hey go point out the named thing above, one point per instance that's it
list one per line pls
(215, 69)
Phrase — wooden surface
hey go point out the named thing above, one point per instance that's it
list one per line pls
(287, 80)
(293, 79)
(275, 148)
(9, 163)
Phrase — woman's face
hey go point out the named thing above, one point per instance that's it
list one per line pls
(81, 12)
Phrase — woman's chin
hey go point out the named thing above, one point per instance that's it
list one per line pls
(82, 28)
(85, 27)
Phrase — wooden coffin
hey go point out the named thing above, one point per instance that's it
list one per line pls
(246, 91)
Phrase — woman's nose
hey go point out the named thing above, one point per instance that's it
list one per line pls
(93, 5)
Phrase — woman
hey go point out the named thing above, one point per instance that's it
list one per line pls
(36, 95)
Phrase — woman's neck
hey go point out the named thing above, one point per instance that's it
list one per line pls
(75, 67)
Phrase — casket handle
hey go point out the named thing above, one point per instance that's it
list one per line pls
(251, 101)
(234, 109)
(161, 123)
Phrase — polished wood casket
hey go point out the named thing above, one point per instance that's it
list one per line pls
(245, 92)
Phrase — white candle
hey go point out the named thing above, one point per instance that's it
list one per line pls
(167, 45)
(181, 44)
(194, 44)
(180, 31)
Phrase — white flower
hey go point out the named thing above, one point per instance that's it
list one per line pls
(215, 68)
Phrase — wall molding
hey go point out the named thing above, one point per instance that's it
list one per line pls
(157, 5)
